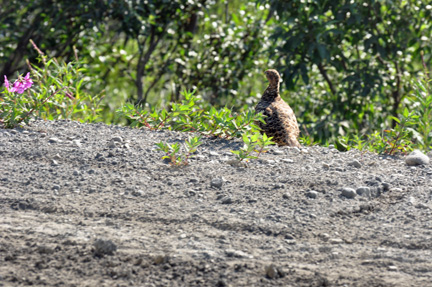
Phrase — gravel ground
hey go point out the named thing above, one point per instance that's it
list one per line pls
(94, 205)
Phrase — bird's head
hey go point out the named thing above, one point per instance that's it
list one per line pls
(273, 76)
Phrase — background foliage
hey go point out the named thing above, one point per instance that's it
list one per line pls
(347, 66)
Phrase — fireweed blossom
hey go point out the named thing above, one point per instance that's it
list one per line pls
(20, 85)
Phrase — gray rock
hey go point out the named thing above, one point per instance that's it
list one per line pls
(271, 271)
(43, 249)
(278, 152)
(216, 182)
(336, 241)
(117, 139)
(77, 143)
(287, 160)
(226, 200)
(355, 163)
(161, 259)
(363, 191)
(312, 194)
(417, 158)
(348, 192)
(57, 157)
(237, 254)
(138, 192)
(113, 144)
(55, 140)
(104, 247)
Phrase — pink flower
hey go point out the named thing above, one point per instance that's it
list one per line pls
(27, 82)
(20, 85)
(7, 85)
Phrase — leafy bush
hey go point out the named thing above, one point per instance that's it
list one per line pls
(57, 93)
(253, 143)
(173, 154)
(189, 116)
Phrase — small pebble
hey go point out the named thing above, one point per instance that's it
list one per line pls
(57, 157)
(160, 259)
(363, 191)
(216, 182)
(54, 140)
(112, 144)
(77, 143)
(348, 192)
(226, 200)
(104, 247)
(312, 194)
(355, 163)
(138, 193)
(117, 139)
(237, 254)
(271, 271)
(336, 241)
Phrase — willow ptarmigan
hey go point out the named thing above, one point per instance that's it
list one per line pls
(280, 120)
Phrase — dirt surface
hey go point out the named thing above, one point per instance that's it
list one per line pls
(94, 205)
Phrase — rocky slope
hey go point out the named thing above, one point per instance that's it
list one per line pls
(94, 205)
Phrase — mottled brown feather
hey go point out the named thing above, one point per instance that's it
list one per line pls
(280, 120)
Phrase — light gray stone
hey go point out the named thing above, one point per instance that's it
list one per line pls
(417, 158)
(363, 191)
(348, 192)
(117, 139)
(355, 163)
(104, 247)
(216, 182)
(312, 194)
(54, 140)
